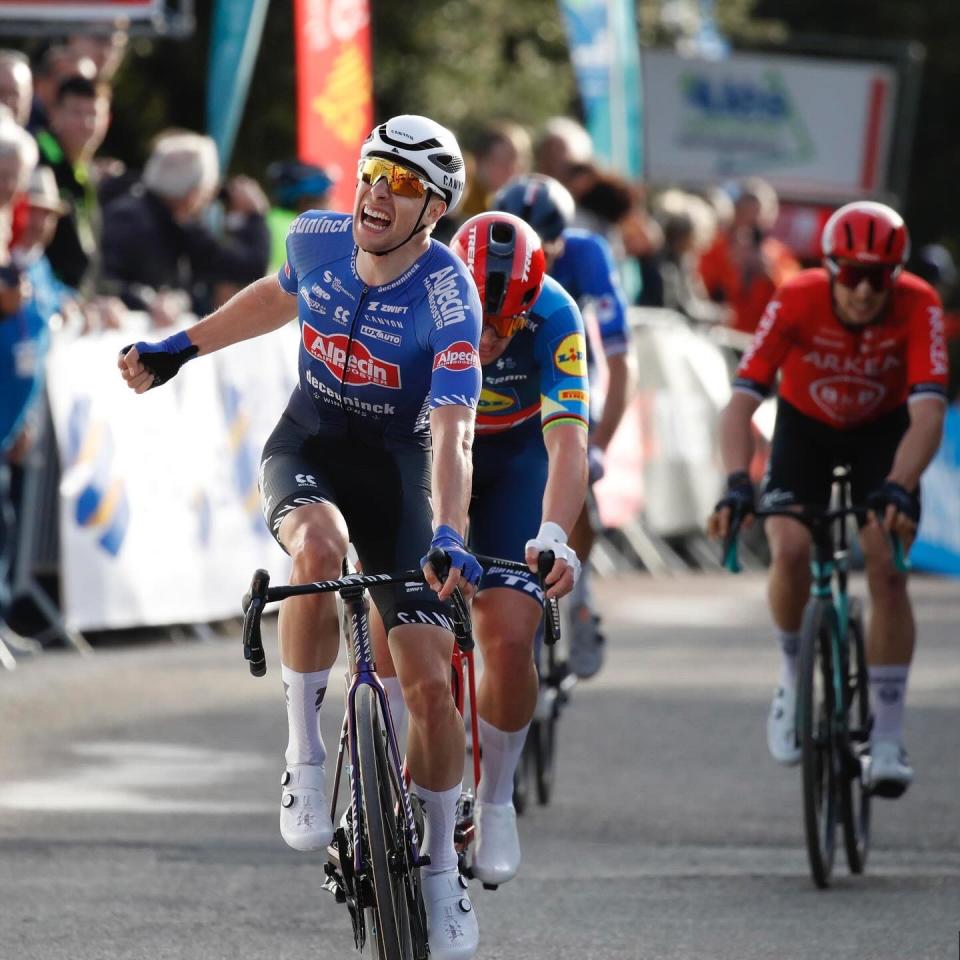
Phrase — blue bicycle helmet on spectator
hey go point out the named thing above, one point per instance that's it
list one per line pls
(545, 203)
(291, 180)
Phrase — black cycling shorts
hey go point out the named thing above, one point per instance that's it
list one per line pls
(805, 451)
(383, 495)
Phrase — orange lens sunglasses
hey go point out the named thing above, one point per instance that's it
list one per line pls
(401, 181)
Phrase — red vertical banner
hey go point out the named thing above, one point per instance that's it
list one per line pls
(334, 88)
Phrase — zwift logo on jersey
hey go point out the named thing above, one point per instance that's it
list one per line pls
(571, 355)
(363, 368)
(457, 357)
(443, 294)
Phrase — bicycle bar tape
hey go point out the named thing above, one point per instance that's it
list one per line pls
(551, 624)
(253, 604)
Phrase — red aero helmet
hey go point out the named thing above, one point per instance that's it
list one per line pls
(505, 258)
(866, 233)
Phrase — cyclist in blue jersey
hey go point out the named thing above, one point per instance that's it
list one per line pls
(582, 264)
(529, 484)
(390, 325)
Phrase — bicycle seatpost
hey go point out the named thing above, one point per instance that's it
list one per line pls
(253, 604)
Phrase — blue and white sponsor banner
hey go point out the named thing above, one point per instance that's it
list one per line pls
(159, 514)
(606, 59)
(816, 128)
(938, 542)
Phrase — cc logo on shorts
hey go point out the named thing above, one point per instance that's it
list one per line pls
(305, 480)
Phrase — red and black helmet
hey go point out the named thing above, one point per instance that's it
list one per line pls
(866, 233)
(505, 257)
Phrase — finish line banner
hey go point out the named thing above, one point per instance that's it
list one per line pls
(159, 513)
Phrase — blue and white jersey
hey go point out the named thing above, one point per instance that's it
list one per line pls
(587, 272)
(374, 361)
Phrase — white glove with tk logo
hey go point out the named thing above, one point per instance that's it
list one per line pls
(551, 536)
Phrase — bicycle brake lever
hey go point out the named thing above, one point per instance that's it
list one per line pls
(551, 610)
(253, 603)
(731, 559)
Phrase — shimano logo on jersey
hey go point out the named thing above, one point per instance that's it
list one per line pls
(381, 335)
(360, 369)
(335, 283)
(315, 298)
(320, 225)
(858, 366)
(387, 307)
(350, 403)
(443, 292)
(458, 356)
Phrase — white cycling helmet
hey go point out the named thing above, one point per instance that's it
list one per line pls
(422, 145)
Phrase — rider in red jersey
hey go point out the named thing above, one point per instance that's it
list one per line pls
(861, 352)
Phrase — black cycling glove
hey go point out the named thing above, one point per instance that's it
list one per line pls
(739, 497)
(164, 359)
(901, 498)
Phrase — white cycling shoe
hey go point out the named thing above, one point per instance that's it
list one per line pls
(782, 727)
(452, 929)
(496, 855)
(887, 772)
(304, 817)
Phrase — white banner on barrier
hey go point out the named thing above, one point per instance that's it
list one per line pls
(159, 514)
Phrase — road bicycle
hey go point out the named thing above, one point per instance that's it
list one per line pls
(374, 859)
(833, 699)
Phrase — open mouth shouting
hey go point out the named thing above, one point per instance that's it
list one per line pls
(375, 220)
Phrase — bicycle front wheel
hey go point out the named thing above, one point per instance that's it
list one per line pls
(815, 707)
(854, 799)
(388, 917)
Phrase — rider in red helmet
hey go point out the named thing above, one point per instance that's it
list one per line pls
(860, 348)
(529, 484)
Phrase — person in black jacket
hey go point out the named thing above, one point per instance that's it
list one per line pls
(159, 255)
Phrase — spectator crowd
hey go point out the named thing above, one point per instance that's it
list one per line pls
(87, 244)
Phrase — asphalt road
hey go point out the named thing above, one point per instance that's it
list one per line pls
(139, 789)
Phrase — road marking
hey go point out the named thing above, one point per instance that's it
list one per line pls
(129, 777)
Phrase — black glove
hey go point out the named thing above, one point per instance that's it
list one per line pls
(164, 359)
(901, 498)
(740, 497)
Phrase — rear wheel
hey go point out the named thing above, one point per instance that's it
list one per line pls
(543, 733)
(854, 799)
(388, 916)
(815, 706)
(523, 774)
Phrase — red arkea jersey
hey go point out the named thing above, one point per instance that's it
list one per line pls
(840, 375)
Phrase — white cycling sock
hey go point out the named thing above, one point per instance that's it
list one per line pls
(888, 693)
(304, 693)
(500, 753)
(398, 710)
(440, 818)
(789, 641)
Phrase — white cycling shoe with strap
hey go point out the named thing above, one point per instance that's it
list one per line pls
(782, 726)
(496, 854)
(304, 818)
(452, 929)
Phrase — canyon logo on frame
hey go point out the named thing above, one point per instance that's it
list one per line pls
(334, 88)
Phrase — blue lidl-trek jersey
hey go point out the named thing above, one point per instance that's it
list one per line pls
(374, 361)
(543, 370)
(587, 272)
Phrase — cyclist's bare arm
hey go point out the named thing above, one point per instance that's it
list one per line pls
(451, 427)
(916, 449)
(620, 376)
(566, 488)
(736, 448)
(259, 308)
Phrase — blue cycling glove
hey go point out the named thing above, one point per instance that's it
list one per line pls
(739, 496)
(451, 543)
(164, 359)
